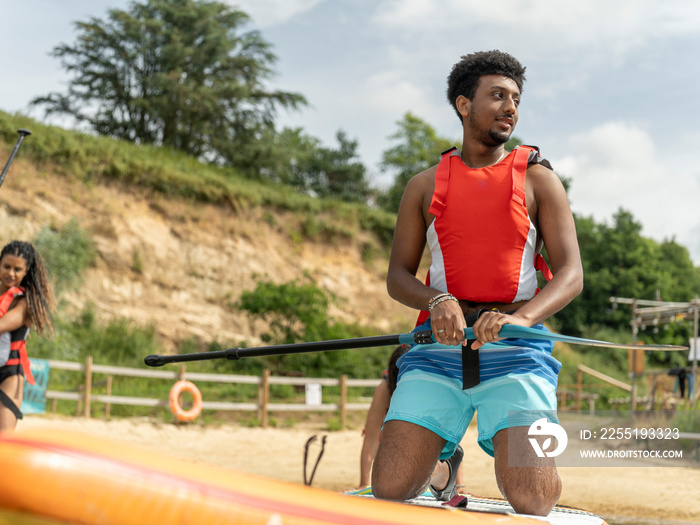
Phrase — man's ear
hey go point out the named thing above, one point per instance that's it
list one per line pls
(464, 105)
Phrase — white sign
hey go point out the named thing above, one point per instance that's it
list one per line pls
(313, 394)
(693, 353)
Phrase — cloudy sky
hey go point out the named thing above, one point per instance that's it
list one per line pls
(610, 96)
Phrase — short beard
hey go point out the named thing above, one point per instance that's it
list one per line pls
(491, 138)
(496, 138)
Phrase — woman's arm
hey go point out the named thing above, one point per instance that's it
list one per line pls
(15, 317)
(373, 428)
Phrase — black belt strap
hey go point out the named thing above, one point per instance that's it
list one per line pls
(7, 401)
(470, 366)
(470, 358)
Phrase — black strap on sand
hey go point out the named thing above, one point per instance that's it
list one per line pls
(470, 358)
(318, 459)
(7, 401)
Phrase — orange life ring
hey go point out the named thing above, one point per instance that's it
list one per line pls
(176, 391)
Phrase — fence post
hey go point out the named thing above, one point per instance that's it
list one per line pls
(81, 398)
(343, 400)
(108, 391)
(264, 396)
(579, 388)
(88, 385)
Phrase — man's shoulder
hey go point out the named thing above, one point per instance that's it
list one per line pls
(421, 185)
(427, 176)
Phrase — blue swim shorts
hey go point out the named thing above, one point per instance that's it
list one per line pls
(438, 403)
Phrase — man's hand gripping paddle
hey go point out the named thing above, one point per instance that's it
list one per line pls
(422, 337)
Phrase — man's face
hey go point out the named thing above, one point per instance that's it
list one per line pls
(494, 109)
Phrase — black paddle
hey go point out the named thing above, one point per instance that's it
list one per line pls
(421, 338)
(22, 133)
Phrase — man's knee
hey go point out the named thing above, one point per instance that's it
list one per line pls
(537, 498)
(396, 484)
(531, 489)
(405, 461)
(391, 488)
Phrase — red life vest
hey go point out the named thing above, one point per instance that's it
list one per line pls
(18, 338)
(482, 242)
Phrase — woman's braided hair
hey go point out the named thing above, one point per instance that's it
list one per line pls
(393, 370)
(36, 284)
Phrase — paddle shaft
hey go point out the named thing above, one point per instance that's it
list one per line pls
(422, 337)
(22, 133)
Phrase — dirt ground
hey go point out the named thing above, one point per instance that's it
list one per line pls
(629, 495)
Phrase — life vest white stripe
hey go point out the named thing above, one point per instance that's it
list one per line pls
(438, 279)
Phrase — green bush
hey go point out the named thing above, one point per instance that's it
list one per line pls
(67, 251)
(298, 312)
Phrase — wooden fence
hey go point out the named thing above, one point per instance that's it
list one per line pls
(85, 397)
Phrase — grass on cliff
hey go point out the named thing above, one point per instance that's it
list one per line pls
(94, 159)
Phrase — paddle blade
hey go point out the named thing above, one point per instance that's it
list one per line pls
(513, 331)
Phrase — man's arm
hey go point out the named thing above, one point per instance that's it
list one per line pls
(552, 213)
(408, 246)
(406, 253)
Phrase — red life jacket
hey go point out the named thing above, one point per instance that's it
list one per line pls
(482, 242)
(18, 338)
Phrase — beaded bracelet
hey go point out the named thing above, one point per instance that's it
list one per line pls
(439, 299)
(441, 294)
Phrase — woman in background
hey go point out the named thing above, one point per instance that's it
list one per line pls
(26, 299)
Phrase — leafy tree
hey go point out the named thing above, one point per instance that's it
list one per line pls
(619, 262)
(294, 151)
(179, 73)
(338, 172)
(301, 161)
(418, 147)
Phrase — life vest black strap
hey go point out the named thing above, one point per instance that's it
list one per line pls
(471, 374)
(7, 401)
(470, 366)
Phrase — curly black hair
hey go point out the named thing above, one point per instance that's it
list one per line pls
(36, 283)
(465, 74)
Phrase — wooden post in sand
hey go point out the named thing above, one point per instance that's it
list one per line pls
(108, 392)
(88, 385)
(579, 388)
(343, 400)
(264, 397)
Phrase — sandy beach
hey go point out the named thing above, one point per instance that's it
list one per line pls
(622, 495)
